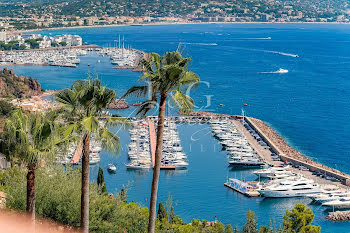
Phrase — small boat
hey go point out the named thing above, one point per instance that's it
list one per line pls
(111, 168)
(282, 71)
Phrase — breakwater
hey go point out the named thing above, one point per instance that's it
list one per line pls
(339, 216)
(279, 146)
(289, 154)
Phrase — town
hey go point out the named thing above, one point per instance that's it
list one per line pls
(82, 13)
(10, 41)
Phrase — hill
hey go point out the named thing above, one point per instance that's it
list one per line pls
(13, 86)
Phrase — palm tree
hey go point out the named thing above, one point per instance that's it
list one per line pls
(167, 76)
(31, 138)
(84, 104)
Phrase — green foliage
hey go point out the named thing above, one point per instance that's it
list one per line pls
(123, 194)
(6, 108)
(58, 198)
(101, 181)
(63, 43)
(299, 220)
(251, 224)
(162, 214)
(228, 229)
(31, 138)
(34, 44)
(168, 76)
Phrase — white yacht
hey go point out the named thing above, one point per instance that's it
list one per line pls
(248, 162)
(263, 173)
(341, 203)
(111, 168)
(291, 188)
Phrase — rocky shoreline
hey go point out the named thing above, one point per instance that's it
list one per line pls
(338, 216)
(119, 104)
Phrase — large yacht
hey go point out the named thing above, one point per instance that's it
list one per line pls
(264, 173)
(341, 203)
(290, 188)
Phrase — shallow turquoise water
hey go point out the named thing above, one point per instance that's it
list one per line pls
(309, 106)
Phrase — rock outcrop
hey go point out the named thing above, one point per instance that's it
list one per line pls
(119, 104)
(14, 86)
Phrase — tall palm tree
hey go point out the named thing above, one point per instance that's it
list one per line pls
(31, 138)
(168, 77)
(84, 103)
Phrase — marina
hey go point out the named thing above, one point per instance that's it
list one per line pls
(311, 127)
(121, 58)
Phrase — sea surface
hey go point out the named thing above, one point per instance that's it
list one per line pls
(237, 63)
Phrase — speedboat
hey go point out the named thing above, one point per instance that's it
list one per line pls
(291, 188)
(111, 168)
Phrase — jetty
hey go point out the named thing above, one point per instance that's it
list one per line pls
(275, 144)
(248, 188)
(289, 154)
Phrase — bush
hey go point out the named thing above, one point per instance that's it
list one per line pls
(5, 108)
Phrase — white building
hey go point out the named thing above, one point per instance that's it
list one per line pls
(3, 36)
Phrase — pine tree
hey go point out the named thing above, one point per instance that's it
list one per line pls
(228, 228)
(123, 195)
(236, 230)
(101, 180)
(162, 214)
(251, 224)
(299, 220)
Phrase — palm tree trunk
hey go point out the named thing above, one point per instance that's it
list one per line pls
(84, 207)
(156, 168)
(31, 193)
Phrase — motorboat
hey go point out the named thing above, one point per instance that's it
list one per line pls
(341, 203)
(111, 168)
(291, 188)
(263, 173)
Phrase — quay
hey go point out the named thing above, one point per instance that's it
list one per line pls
(276, 144)
(289, 154)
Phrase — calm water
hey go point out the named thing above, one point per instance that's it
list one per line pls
(309, 105)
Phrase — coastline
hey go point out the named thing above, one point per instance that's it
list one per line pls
(169, 23)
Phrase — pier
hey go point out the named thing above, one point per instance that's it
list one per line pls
(245, 188)
(276, 145)
(289, 154)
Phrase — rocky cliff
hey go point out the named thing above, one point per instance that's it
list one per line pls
(15, 86)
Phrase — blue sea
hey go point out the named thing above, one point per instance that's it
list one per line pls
(237, 63)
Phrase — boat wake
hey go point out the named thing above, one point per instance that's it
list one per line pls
(269, 51)
(208, 44)
(279, 71)
(252, 38)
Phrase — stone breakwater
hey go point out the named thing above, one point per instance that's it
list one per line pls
(287, 150)
(280, 147)
(339, 216)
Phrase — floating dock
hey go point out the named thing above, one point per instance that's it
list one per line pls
(248, 189)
